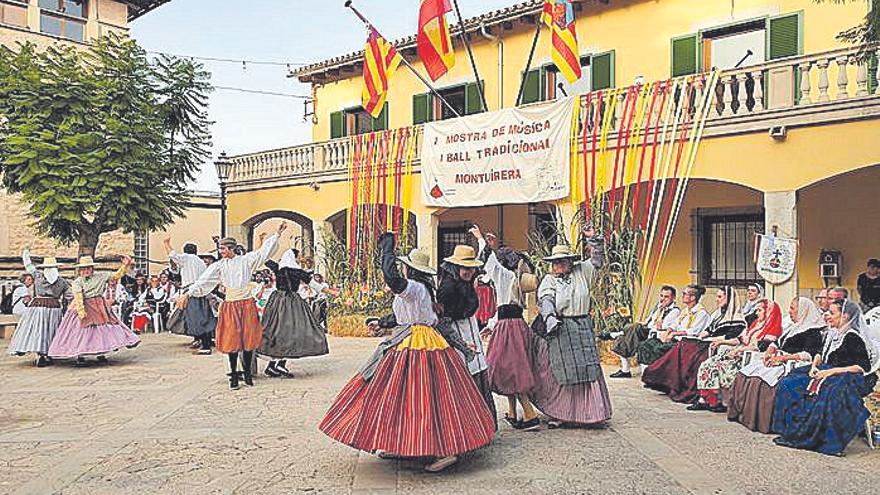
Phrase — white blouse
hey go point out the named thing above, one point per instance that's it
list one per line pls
(570, 294)
(414, 306)
(505, 282)
(234, 273)
(191, 267)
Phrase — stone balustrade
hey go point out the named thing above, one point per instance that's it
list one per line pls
(795, 84)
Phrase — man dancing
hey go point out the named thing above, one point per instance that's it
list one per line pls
(198, 318)
(238, 328)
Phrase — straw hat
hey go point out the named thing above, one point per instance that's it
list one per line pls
(465, 256)
(85, 262)
(49, 262)
(561, 252)
(418, 260)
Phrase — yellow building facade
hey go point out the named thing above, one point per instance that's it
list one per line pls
(790, 141)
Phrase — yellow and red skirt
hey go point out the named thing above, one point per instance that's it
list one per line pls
(421, 402)
(238, 326)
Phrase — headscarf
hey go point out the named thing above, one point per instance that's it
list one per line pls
(751, 306)
(730, 313)
(770, 326)
(51, 274)
(835, 336)
(809, 316)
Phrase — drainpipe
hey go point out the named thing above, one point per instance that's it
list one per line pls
(500, 42)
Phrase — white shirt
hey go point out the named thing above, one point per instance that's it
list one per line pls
(234, 273)
(312, 290)
(18, 297)
(571, 294)
(670, 321)
(504, 280)
(413, 306)
(191, 267)
(288, 259)
(693, 320)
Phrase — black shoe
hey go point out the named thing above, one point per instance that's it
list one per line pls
(720, 408)
(606, 336)
(513, 422)
(42, 362)
(102, 359)
(698, 406)
(272, 371)
(620, 374)
(80, 362)
(248, 377)
(782, 442)
(283, 371)
(530, 425)
(49, 361)
(233, 381)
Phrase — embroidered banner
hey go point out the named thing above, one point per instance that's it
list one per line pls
(516, 155)
(776, 258)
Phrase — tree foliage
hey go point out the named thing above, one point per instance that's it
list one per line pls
(866, 32)
(101, 139)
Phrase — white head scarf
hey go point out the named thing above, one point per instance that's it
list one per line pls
(751, 306)
(809, 316)
(51, 274)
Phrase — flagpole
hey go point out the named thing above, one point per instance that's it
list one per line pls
(467, 45)
(409, 66)
(522, 81)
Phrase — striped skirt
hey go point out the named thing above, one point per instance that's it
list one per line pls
(420, 402)
(37, 326)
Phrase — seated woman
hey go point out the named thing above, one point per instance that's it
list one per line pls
(754, 389)
(717, 373)
(754, 295)
(820, 408)
(675, 373)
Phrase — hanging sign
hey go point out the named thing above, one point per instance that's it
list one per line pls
(775, 258)
(516, 155)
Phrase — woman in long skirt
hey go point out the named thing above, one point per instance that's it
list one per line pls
(90, 327)
(290, 328)
(675, 373)
(459, 302)
(754, 389)
(570, 385)
(821, 408)
(509, 353)
(717, 373)
(414, 397)
(41, 318)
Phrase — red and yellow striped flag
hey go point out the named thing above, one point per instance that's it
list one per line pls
(380, 61)
(433, 41)
(559, 16)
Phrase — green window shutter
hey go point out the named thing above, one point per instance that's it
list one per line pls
(337, 125)
(532, 87)
(422, 108)
(783, 36)
(381, 123)
(684, 55)
(473, 101)
(602, 71)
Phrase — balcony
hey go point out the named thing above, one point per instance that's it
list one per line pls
(822, 88)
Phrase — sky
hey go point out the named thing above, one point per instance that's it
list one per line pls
(289, 31)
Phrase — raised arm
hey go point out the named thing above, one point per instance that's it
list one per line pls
(26, 259)
(593, 247)
(166, 244)
(393, 278)
(257, 258)
(123, 269)
(206, 282)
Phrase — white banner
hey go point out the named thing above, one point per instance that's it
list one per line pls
(516, 155)
(776, 258)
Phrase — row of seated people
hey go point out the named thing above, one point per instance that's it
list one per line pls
(803, 379)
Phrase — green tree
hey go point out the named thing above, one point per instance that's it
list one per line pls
(100, 139)
(866, 32)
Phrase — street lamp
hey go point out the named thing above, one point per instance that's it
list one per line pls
(223, 165)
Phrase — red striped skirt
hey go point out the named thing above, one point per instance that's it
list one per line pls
(421, 402)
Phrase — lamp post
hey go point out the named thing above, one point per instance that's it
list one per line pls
(223, 166)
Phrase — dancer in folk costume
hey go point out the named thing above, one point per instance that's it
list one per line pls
(290, 329)
(458, 299)
(414, 397)
(90, 327)
(38, 324)
(198, 319)
(238, 327)
(570, 386)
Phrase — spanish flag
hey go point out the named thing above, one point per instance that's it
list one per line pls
(433, 41)
(559, 16)
(380, 61)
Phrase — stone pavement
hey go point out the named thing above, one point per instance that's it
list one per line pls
(159, 420)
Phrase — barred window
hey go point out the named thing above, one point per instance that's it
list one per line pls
(728, 249)
(141, 252)
(450, 237)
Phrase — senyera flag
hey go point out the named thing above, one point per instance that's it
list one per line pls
(433, 41)
(380, 61)
(559, 16)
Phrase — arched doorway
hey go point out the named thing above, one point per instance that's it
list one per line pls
(300, 235)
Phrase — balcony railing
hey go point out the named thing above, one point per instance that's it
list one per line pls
(743, 100)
